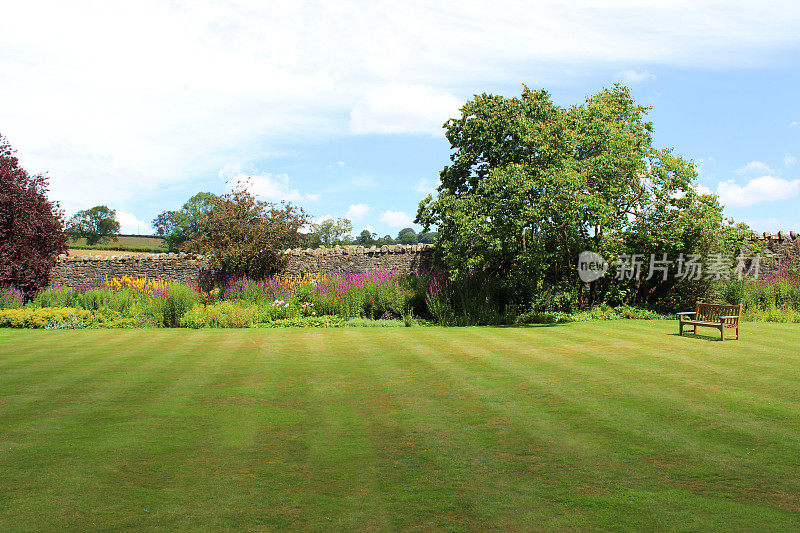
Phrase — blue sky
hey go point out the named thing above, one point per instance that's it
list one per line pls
(337, 106)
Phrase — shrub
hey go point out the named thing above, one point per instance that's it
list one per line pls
(306, 322)
(599, 312)
(31, 227)
(44, 317)
(56, 297)
(247, 237)
(468, 300)
(94, 299)
(122, 301)
(181, 298)
(220, 315)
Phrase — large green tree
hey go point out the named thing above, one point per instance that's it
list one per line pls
(96, 224)
(532, 184)
(407, 236)
(332, 231)
(183, 224)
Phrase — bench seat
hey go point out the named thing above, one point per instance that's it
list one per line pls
(706, 323)
(720, 316)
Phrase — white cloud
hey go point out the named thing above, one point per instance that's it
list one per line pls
(396, 219)
(323, 218)
(357, 211)
(755, 167)
(129, 224)
(425, 186)
(756, 191)
(635, 76)
(215, 81)
(793, 124)
(403, 109)
(368, 228)
(789, 160)
(270, 187)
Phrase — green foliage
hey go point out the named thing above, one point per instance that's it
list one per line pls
(332, 231)
(365, 238)
(470, 299)
(97, 224)
(599, 312)
(772, 314)
(238, 315)
(247, 237)
(531, 185)
(306, 322)
(407, 236)
(55, 297)
(181, 225)
(94, 299)
(220, 315)
(180, 299)
(370, 323)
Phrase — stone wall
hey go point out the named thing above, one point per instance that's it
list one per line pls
(83, 270)
(779, 252)
(341, 259)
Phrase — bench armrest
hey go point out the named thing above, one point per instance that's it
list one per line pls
(688, 313)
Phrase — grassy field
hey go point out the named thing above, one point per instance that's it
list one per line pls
(127, 242)
(607, 425)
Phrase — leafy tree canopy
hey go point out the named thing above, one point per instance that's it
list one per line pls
(245, 236)
(532, 184)
(183, 224)
(95, 225)
(407, 236)
(31, 227)
(365, 238)
(332, 231)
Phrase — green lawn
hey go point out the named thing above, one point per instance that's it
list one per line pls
(604, 425)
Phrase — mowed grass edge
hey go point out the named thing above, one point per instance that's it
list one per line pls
(619, 425)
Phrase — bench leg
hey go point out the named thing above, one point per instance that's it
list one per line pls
(680, 328)
(722, 334)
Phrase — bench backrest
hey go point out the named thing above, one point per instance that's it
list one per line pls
(712, 312)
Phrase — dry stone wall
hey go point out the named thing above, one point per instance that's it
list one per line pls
(779, 252)
(75, 271)
(404, 259)
(82, 270)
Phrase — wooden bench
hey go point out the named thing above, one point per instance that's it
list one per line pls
(720, 316)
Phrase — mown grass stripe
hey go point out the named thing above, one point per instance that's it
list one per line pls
(584, 426)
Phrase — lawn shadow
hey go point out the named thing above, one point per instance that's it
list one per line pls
(541, 325)
(699, 336)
